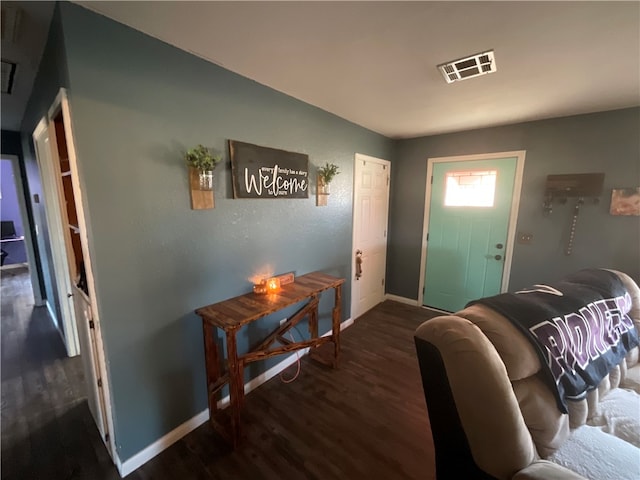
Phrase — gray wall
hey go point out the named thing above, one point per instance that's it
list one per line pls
(137, 103)
(602, 142)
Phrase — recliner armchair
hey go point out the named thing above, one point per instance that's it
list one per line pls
(493, 417)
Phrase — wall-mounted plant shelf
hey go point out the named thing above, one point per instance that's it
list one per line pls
(324, 178)
(200, 199)
(322, 193)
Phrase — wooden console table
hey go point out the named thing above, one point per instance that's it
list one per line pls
(231, 315)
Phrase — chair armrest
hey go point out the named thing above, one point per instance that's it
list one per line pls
(545, 470)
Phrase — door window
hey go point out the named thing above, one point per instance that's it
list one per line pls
(470, 188)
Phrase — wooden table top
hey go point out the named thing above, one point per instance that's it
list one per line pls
(238, 311)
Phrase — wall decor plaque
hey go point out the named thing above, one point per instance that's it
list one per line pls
(625, 201)
(263, 172)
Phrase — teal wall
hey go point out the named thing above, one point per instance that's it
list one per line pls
(606, 142)
(137, 103)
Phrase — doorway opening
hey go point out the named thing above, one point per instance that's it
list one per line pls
(12, 222)
(69, 253)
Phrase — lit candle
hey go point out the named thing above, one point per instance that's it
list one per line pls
(273, 285)
(260, 288)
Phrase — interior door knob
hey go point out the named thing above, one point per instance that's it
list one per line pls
(499, 246)
(498, 257)
(358, 264)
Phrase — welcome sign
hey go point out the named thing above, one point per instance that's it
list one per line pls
(262, 172)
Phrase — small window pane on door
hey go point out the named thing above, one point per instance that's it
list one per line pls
(470, 188)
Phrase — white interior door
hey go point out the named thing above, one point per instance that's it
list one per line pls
(95, 395)
(44, 155)
(370, 214)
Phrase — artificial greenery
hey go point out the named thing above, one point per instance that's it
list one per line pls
(201, 158)
(327, 172)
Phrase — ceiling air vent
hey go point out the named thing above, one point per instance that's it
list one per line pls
(468, 67)
(8, 72)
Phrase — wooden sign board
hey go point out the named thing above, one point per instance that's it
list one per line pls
(262, 172)
(575, 185)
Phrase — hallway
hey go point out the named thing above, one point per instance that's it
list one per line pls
(47, 429)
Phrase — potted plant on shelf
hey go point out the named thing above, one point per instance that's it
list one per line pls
(325, 176)
(203, 160)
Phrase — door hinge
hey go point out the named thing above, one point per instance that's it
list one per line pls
(100, 382)
(383, 282)
(106, 437)
(431, 179)
(427, 236)
(91, 324)
(385, 233)
(387, 180)
(422, 290)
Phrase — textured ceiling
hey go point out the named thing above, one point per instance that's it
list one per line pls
(374, 63)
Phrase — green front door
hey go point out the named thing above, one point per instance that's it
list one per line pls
(467, 234)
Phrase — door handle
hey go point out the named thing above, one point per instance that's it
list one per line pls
(358, 264)
(69, 295)
(498, 257)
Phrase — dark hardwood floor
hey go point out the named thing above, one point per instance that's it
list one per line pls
(365, 420)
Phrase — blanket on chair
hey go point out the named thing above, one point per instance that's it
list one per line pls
(580, 328)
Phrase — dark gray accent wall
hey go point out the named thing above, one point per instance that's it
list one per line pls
(137, 103)
(52, 75)
(11, 144)
(606, 142)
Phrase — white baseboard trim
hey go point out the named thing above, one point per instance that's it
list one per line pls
(433, 309)
(143, 456)
(14, 266)
(396, 298)
(346, 324)
(146, 454)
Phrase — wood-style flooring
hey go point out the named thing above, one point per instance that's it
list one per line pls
(365, 420)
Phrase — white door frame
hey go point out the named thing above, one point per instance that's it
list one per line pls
(387, 163)
(26, 225)
(61, 104)
(513, 216)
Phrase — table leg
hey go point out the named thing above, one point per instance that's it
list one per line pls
(212, 363)
(335, 321)
(236, 386)
(313, 320)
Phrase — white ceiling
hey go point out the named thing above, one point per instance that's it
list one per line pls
(374, 63)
